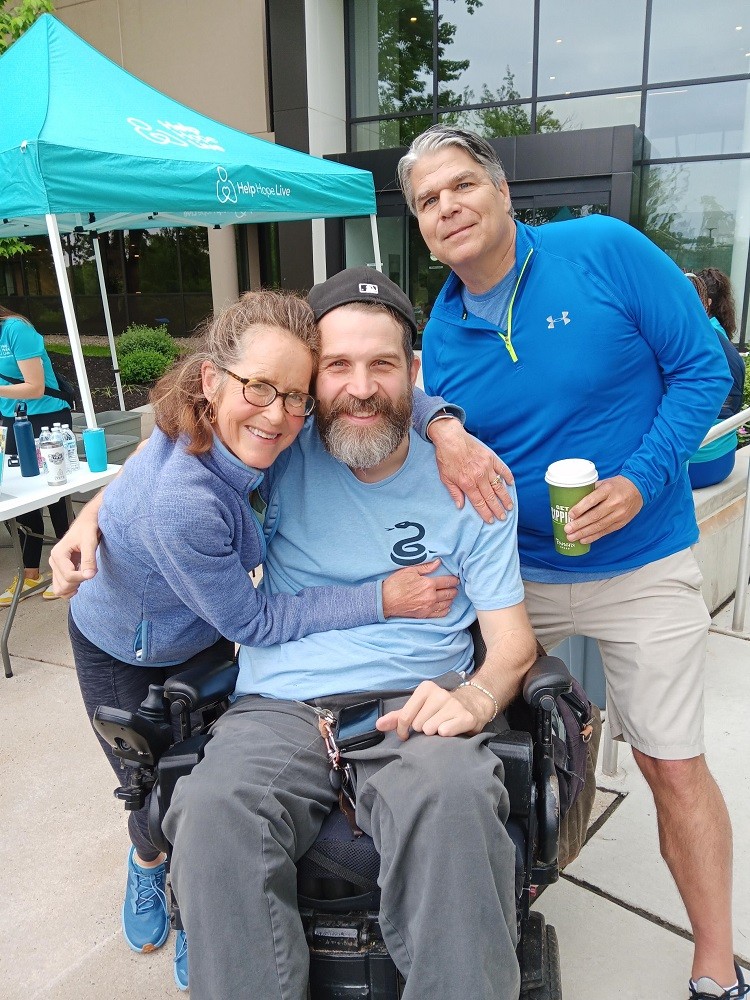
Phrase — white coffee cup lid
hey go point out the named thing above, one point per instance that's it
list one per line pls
(571, 472)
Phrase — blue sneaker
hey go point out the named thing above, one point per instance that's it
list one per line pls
(145, 914)
(181, 961)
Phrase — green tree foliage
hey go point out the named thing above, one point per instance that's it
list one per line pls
(13, 22)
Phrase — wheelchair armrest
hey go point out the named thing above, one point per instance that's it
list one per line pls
(206, 683)
(548, 676)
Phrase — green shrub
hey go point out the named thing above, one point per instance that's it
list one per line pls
(142, 367)
(147, 338)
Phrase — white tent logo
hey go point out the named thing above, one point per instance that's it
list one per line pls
(225, 189)
(175, 134)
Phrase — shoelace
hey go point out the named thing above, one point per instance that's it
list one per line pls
(735, 994)
(148, 893)
(181, 950)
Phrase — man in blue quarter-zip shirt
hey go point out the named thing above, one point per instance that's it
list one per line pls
(582, 339)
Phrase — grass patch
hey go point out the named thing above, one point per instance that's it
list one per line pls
(89, 350)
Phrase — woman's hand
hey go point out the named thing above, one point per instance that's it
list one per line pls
(73, 559)
(411, 593)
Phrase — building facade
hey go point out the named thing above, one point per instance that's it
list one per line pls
(640, 110)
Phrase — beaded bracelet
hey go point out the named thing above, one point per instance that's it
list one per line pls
(473, 684)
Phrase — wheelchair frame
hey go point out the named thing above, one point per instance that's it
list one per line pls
(347, 954)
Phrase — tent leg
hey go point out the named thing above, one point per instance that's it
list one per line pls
(70, 319)
(376, 243)
(107, 316)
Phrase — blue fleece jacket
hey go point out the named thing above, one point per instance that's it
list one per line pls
(607, 355)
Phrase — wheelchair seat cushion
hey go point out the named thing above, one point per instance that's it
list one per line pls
(340, 864)
(338, 855)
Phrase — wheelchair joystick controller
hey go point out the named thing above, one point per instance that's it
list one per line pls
(139, 739)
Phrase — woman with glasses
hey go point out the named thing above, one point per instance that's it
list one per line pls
(184, 525)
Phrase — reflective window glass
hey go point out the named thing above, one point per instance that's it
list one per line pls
(693, 211)
(390, 47)
(589, 112)
(694, 121)
(588, 45)
(388, 134)
(485, 53)
(194, 264)
(359, 251)
(514, 119)
(691, 40)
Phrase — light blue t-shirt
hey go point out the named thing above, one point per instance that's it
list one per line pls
(334, 528)
(19, 341)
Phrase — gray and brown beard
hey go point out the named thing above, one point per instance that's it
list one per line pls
(364, 447)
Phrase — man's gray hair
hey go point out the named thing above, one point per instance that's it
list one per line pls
(439, 137)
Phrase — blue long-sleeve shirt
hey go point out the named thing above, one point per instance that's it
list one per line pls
(609, 357)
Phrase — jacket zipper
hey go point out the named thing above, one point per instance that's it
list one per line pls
(506, 337)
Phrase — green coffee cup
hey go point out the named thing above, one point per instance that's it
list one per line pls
(569, 480)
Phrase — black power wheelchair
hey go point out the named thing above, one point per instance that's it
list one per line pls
(338, 894)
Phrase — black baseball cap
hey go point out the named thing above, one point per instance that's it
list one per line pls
(361, 284)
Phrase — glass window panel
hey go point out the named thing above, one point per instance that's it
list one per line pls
(390, 48)
(540, 215)
(690, 40)
(359, 252)
(158, 310)
(151, 261)
(588, 45)
(426, 276)
(485, 51)
(695, 121)
(699, 213)
(589, 112)
(388, 134)
(194, 263)
(492, 123)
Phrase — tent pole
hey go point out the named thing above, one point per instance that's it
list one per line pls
(107, 316)
(70, 319)
(376, 243)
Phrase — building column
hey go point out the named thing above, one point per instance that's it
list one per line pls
(222, 255)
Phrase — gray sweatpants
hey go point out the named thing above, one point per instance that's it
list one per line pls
(435, 808)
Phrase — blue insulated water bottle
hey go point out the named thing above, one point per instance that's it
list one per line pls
(25, 445)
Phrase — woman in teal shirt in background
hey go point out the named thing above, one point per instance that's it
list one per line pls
(23, 356)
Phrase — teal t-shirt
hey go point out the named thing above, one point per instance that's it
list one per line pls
(19, 341)
(332, 528)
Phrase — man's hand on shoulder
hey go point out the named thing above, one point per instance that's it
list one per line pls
(468, 468)
(436, 712)
(612, 505)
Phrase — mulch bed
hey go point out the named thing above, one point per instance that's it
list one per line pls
(102, 383)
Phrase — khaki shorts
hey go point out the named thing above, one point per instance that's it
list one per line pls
(652, 626)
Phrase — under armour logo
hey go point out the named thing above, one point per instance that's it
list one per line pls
(559, 319)
(367, 289)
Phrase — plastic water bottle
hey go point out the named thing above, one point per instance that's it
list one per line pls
(53, 451)
(72, 462)
(25, 446)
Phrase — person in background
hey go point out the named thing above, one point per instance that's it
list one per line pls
(712, 463)
(23, 356)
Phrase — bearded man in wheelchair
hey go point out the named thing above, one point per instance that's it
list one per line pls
(392, 724)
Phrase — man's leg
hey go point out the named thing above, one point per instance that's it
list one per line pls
(695, 837)
(652, 627)
(436, 808)
(239, 823)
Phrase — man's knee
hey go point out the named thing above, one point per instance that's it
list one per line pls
(678, 778)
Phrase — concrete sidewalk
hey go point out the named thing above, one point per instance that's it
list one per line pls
(621, 926)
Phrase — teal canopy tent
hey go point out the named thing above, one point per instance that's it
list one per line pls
(85, 146)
